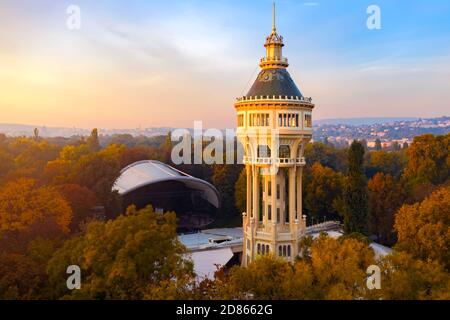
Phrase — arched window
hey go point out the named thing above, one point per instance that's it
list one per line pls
(284, 251)
(264, 151)
(263, 249)
(280, 252)
(267, 249)
(284, 151)
(259, 248)
(289, 250)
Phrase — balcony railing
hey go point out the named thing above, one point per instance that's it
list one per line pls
(277, 161)
(274, 59)
(274, 97)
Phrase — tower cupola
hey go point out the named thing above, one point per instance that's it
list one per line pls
(274, 48)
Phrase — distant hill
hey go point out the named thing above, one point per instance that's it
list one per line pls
(363, 121)
(16, 130)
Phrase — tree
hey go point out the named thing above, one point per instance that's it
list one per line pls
(134, 154)
(385, 198)
(339, 267)
(326, 155)
(396, 146)
(136, 256)
(224, 179)
(355, 192)
(423, 228)
(240, 191)
(406, 278)
(264, 279)
(378, 145)
(392, 163)
(6, 163)
(322, 191)
(30, 157)
(330, 269)
(27, 208)
(36, 134)
(93, 142)
(405, 145)
(81, 200)
(428, 160)
(98, 171)
(22, 274)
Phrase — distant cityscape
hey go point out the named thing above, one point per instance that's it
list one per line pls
(388, 132)
(339, 132)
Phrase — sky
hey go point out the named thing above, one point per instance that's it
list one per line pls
(143, 63)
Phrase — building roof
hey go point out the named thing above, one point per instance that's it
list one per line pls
(147, 172)
(206, 263)
(274, 82)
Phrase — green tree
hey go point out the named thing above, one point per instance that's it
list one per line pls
(136, 256)
(98, 171)
(387, 162)
(428, 160)
(322, 191)
(355, 192)
(224, 179)
(326, 154)
(240, 191)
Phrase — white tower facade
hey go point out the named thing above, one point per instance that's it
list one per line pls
(274, 123)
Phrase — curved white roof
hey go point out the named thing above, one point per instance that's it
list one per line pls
(143, 173)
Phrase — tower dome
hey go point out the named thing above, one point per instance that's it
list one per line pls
(274, 82)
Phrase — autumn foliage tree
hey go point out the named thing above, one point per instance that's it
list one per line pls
(136, 256)
(32, 221)
(428, 160)
(332, 269)
(82, 201)
(385, 197)
(423, 228)
(406, 278)
(25, 207)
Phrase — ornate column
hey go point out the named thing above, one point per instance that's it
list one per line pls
(299, 192)
(291, 176)
(248, 170)
(273, 202)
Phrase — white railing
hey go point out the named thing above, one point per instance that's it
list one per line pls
(274, 59)
(324, 226)
(274, 97)
(278, 161)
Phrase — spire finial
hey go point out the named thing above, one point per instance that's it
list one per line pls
(274, 28)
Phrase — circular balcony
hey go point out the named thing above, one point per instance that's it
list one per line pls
(281, 162)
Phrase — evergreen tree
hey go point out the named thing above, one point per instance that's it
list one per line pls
(92, 141)
(378, 145)
(356, 193)
(36, 134)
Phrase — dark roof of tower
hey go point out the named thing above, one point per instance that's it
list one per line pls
(274, 82)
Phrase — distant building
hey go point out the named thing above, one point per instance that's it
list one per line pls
(144, 183)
